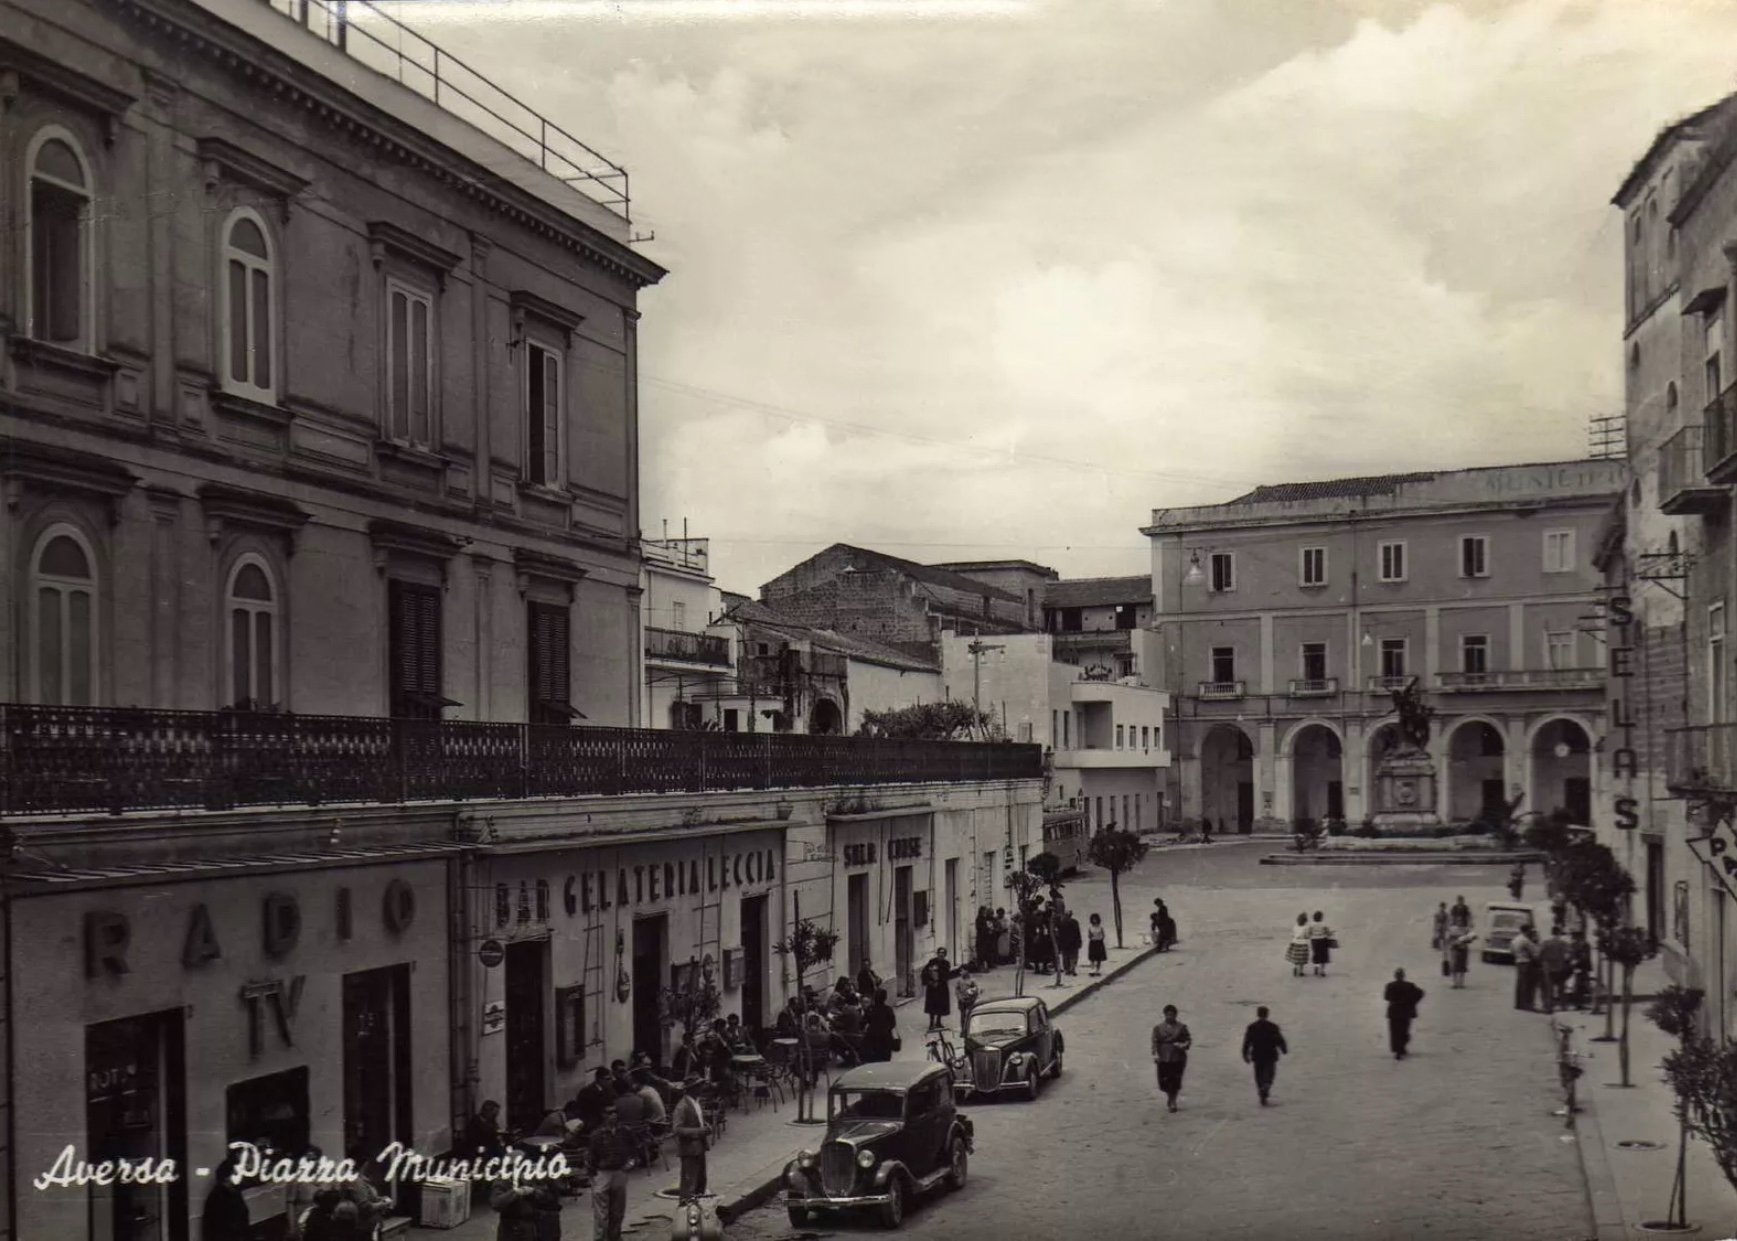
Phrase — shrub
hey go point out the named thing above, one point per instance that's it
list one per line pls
(1335, 827)
(1367, 830)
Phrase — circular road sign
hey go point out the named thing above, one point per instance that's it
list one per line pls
(491, 953)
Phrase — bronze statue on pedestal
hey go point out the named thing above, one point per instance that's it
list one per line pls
(1414, 716)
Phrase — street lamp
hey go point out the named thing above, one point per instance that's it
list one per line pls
(1195, 575)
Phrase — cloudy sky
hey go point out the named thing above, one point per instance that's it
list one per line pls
(997, 285)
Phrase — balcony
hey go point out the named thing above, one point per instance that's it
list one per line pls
(1103, 757)
(1386, 685)
(1719, 438)
(81, 760)
(1520, 679)
(1221, 691)
(1314, 687)
(371, 37)
(687, 648)
(1096, 641)
(1701, 758)
(1683, 487)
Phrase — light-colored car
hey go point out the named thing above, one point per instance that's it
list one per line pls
(1502, 922)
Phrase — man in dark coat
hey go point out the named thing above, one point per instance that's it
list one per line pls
(880, 1029)
(1262, 1045)
(1402, 1000)
(590, 1103)
(1069, 938)
(688, 1123)
(937, 996)
(226, 1215)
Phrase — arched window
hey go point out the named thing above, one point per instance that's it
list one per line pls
(249, 336)
(58, 223)
(63, 594)
(251, 604)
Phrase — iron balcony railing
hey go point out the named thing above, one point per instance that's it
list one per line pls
(687, 648)
(373, 38)
(1701, 758)
(1314, 687)
(1719, 437)
(1386, 685)
(1529, 678)
(64, 760)
(1221, 689)
(1683, 485)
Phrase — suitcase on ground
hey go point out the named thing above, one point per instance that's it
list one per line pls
(696, 1219)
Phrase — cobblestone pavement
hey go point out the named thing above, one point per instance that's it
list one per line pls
(1457, 1142)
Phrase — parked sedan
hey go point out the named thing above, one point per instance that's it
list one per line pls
(1010, 1045)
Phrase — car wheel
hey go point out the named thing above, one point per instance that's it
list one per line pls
(893, 1210)
(798, 1216)
(1056, 1068)
(958, 1169)
(1032, 1080)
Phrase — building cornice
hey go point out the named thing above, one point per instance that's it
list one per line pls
(225, 158)
(203, 34)
(386, 238)
(18, 62)
(1226, 521)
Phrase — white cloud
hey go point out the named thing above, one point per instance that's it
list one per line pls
(1193, 245)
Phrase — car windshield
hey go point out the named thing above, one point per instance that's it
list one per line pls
(1505, 921)
(867, 1105)
(996, 1025)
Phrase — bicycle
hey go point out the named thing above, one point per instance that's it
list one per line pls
(941, 1050)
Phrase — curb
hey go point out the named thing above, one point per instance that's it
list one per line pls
(1396, 858)
(765, 1185)
(1601, 1194)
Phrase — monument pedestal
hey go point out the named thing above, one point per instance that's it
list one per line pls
(1405, 792)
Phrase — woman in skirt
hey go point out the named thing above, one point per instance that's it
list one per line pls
(1320, 945)
(1096, 953)
(1298, 951)
(1459, 951)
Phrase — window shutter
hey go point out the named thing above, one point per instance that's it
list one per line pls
(415, 641)
(548, 674)
(428, 642)
(551, 414)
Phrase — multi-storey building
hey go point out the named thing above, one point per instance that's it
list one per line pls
(898, 603)
(1674, 575)
(1289, 614)
(1105, 738)
(690, 660)
(318, 430)
(1020, 578)
(1103, 624)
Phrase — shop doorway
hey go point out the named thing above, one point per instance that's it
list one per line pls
(650, 976)
(135, 1099)
(903, 941)
(377, 1090)
(856, 913)
(753, 961)
(1656, 889)
(527, 967)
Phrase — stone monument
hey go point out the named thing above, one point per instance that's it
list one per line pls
(1405, 789)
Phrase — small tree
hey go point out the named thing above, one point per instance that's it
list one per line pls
(1674, 1011)
(1027, 891)
(806, 946)
(1703, 1072)
(1628, 946)
(1117, 851)
(1047, 867)
(928, 721)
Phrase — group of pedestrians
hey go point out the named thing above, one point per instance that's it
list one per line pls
(1452, 936)
(1312, 944)
(1555, 972)
(1262, 1045)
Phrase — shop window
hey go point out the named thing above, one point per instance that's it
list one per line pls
(63, 620)
(271, 1112)
(59, 228)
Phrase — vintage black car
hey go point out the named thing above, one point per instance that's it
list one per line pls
(892, 1132)
(1010, 1045)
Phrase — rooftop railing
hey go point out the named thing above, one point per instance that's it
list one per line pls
(369, 35)
(67, 760)
(687, 648)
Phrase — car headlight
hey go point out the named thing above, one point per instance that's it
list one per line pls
(806, 1159)
(865, 1159)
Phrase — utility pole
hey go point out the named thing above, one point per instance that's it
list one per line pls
(977, 647)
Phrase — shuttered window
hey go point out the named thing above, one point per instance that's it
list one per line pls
(415, 639)
(549, 676)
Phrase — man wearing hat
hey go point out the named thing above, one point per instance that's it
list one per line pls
(608, 1157)
(688, 1123)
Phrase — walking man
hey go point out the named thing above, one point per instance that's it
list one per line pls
(1262, 1045)
(1170, 1044)
(608, 1157)
(1552, 968)
(1068, 941)
(1525, 968)
(1402, 1000)
(689, 1126)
